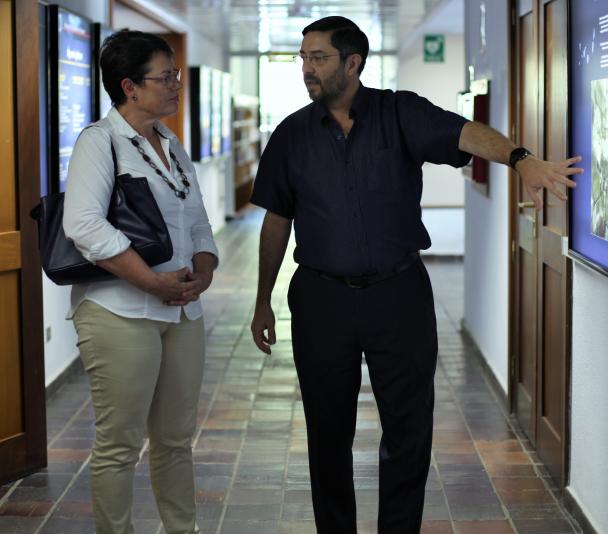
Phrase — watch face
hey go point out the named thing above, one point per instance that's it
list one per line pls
(517, 155)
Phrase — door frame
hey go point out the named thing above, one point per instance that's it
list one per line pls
(27, 452)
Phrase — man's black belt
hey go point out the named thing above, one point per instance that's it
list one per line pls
(365, 280)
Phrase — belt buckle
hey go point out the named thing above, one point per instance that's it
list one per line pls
(356, 282)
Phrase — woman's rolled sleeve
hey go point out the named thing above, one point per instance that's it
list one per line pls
(87, 197)
(201, 232)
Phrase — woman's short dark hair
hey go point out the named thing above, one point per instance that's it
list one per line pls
(346, 37)
(125, 54)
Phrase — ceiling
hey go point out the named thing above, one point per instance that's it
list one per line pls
(251, 26)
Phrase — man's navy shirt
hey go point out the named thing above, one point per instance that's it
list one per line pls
(355, 202)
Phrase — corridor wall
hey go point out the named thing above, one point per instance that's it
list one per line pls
(443, 191)
(60, 345)
(486, 298)
(487, 283)
(588, 466)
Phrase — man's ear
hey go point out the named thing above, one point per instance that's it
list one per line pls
(353, 61)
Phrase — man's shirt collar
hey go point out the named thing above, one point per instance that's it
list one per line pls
(358, 108)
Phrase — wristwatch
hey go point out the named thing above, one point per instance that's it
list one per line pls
(518, 154)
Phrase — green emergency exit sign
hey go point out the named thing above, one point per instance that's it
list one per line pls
(434, 48)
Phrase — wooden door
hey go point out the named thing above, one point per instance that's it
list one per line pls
(553, 266)
(525, 245)
(540, 331)
(22, 395)
(177, 41)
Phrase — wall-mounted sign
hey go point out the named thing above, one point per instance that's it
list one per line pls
(434, 48)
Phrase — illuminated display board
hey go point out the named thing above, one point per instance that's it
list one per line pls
(70, 87)
(216, 112)
(226, 112)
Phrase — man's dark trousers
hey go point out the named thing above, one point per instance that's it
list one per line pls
(393, 323)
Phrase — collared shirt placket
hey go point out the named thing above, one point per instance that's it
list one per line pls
(353, 186)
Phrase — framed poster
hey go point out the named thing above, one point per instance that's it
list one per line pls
(103, 102)
(589, 132)
(70, 91)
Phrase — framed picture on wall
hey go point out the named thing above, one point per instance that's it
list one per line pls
(589, 133)
(474, 105)
(70, 88)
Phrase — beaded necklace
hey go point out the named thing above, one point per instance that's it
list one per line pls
(179, 193)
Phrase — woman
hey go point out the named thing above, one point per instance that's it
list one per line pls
(141, 335)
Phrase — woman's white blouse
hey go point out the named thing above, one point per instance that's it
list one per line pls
(89, 186)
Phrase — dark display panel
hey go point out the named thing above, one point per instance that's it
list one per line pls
(70, 55)
(589, 131)
(200, 112)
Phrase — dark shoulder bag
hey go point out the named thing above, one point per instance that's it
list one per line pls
(132, 210)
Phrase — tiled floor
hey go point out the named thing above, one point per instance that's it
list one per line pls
(250, 448)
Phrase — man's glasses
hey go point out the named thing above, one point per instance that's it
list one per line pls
(167, 80)
(316, 60)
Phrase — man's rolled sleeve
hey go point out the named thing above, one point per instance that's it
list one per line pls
(432, 133)
(87, 197)
(271, 189)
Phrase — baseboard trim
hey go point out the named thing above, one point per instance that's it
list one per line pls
(571, 504)
(494, 383)
(73, 369)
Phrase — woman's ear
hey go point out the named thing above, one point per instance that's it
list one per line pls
(129, 88)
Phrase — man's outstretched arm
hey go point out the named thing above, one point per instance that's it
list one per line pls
(273, 243)
(481, 140)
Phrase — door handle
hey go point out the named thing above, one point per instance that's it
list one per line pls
(525, 204)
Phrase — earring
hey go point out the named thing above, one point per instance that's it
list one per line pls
(134, 98)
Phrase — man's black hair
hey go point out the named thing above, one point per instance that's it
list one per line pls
(125, 54)
(346, 37)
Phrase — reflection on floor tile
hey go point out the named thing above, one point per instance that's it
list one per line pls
(250, 448)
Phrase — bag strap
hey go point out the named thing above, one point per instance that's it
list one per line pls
(114, 158)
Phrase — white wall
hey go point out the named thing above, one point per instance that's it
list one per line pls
(60, 350)
(443, 185)
(486, 261)
(589, 402)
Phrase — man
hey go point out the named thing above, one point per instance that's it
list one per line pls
(347, 170)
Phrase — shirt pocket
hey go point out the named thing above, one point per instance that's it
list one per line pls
(385, 171)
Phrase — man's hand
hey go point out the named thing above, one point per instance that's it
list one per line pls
(481, 140)
(536, 174)
(263, 319)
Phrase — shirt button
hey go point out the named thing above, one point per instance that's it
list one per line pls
(351, 188)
